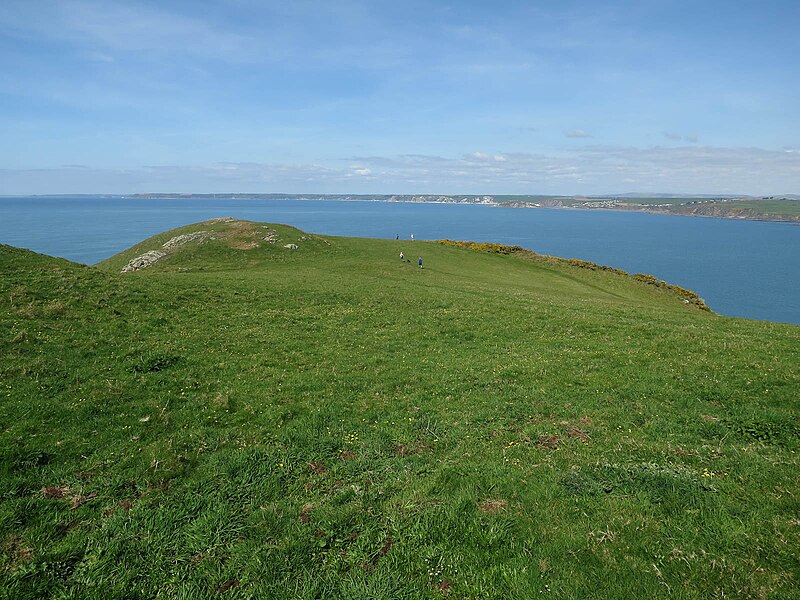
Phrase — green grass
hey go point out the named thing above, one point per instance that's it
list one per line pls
(660, 201)
(771, 207)
(751, 209)
(780, 209)
(329, 422)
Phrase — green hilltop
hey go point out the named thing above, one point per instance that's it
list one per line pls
(266, 413)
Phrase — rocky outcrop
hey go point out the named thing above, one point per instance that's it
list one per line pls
(143, 261)
(148, 258)
(180, 240)
(291, 246)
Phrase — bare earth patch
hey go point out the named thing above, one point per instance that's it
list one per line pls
(493, 506)
(125, 505)
(18, 553)
(387, 545)
(231, 583)
(243, 235)
(55, 491)
(444, 587)
(59, 492)
(244, 245)
(79, 499)
(548, 442)
(317, 468)
(574, 432)
(305, 512)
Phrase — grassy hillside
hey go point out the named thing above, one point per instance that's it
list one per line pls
(251, 421)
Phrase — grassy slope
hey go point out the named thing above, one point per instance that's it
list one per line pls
(330, 422)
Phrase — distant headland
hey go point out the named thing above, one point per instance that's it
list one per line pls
(764, 208)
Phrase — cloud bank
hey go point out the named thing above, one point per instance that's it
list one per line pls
(589, 170)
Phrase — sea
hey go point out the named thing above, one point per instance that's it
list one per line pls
(748, 269)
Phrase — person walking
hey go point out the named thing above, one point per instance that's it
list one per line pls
(420, 262)
(412, 237)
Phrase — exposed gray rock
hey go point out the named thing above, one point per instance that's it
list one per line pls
(179, 240)
(221, 220)
(291, 246)
(143, 261)
(272, 236)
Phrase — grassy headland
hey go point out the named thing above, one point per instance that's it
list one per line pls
(249, 420)
(755, 209)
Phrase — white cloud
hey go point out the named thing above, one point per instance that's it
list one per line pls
(677, 137)
(601, 169)
(577, 133)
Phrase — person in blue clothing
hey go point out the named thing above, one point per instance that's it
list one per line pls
(420, 262)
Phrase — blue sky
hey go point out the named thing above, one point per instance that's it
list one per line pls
(581, 97)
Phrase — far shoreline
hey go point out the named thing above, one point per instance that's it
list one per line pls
(763, 218)
(713, 208)
(720, 207)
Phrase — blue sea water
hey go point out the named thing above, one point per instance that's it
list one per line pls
(745, 269)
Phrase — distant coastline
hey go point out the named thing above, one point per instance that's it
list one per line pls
(768, 208)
